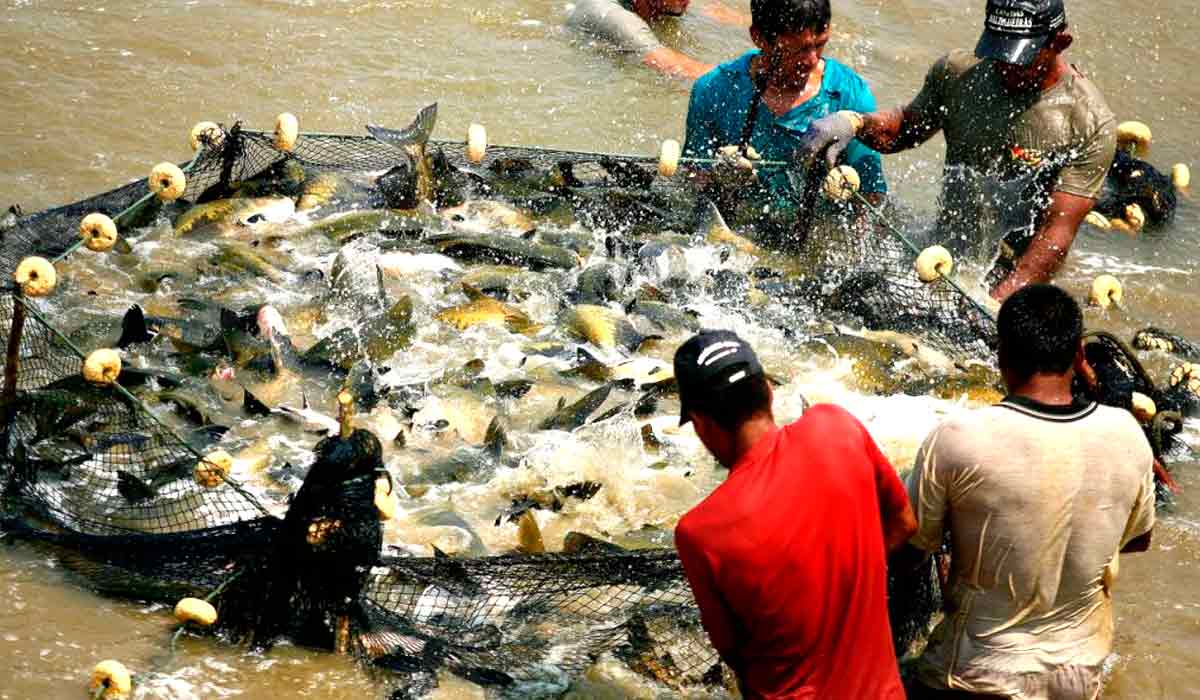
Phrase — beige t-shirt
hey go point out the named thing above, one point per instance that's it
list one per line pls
(1038, 500)
(1007, 153)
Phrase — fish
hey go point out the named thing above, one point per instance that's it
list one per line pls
(482, 309)
(667, 317)
(486, 216)
(412, 180)
(569, 417)
(238, 216)
(504, 250)
(603, 327)
(376, 339)
(601, 283)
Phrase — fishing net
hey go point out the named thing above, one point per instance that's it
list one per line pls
(90, 467)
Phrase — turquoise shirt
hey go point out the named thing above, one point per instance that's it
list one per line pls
(721, 99)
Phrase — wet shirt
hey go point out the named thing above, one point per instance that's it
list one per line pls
(786, 561)
(720, 104)
(615, 23)
(1005, 151)
(1038, 500)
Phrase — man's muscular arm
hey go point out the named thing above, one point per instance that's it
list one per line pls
(1049, 246)
(896, 130)
(675, 64)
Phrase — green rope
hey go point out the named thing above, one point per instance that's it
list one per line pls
(627, 157)
(128, 211)
(37, 316)
(882, 218)
(208, 599)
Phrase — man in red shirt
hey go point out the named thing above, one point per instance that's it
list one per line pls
(787, 558)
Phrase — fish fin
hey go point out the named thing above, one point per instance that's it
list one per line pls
(133, 328)
(122, 246)
(382, 287)
(653, 338)
(253, 406)
(304, 401)
(473, 293)
(562, 403)
(415, 134)
(437, 553)
(529, 535)
(495, 439)
(711, 222)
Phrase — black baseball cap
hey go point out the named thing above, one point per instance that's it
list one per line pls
(1015, 30)
(708, 364)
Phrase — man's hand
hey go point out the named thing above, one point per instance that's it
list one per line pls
(830, 136)
(1049, 246)
(735, 169)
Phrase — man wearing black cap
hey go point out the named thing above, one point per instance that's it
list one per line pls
(787, 558)
(1029, 140)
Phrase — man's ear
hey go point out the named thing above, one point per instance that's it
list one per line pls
(1062, 41)
(757, 37)
(1084, 370)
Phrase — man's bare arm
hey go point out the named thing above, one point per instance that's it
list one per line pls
(896, 130)
(719, 12)
(675, 64)
(1049, 246)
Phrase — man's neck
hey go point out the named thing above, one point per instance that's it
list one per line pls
(644, 9)
(784, 93)
(1048, 389)
(749, 435)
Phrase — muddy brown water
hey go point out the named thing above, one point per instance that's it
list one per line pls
(94, 93)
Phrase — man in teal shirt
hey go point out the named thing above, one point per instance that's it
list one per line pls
(798, 86)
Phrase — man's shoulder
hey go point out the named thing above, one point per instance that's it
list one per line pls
(1089, 101)
(842, 77)
(724, 76)
(957, 63)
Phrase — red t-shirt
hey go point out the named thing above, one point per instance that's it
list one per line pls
(787, 563)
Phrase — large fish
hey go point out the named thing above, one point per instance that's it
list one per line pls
(411, 181)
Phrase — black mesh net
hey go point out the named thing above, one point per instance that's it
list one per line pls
(90, 468)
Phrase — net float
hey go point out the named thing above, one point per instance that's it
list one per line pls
(287, 129)
(668, 158)
(102, 366)
(111, 681)
(385, 500)
(211, 471)
(1134, 137)
(205, 133)
(1181, 176)
(99, 232)
(1098, 220)
(196, 611)
(841, 183)
(167, 182)
(1136, 216)
(36, 276)
(1107, 291)
(476, 143)
(1184, 373)
(934, 263)
(1143, 407)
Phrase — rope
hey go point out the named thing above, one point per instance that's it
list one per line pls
(1129, 354)
(563, 153)
(37, 316)
(883, 219)
(208, 599)
(129, 210)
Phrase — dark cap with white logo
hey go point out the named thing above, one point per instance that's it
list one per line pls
(707, 365)
(1016, 30)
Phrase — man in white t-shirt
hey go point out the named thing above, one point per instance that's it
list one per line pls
(625, 25)
(1040, 496)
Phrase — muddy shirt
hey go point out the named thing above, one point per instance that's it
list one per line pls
(614, 22)
(1005, 152)
(1038, 500)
